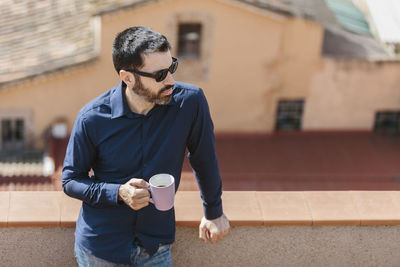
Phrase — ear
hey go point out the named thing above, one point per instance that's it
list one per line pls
(127, 77)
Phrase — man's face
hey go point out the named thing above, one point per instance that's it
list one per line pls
(148, 88)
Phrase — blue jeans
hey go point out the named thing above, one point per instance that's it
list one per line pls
(139, 258)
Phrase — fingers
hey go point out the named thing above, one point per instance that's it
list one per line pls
(138, 183)
(139, 202)
(135, 193)
(214, 230)
(142, 200)
(226, 231)
(138, 206)
(208, 232)
(203, 233)
(215, 237)
(140, 193)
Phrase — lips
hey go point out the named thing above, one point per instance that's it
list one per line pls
(168, 92)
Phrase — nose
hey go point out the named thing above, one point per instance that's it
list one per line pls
(169, 80)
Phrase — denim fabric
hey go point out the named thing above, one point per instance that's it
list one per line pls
(139, 258)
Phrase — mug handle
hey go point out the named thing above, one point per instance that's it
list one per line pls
(151, 199)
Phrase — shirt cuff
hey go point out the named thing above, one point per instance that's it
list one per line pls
(212, 213)
(111, 193)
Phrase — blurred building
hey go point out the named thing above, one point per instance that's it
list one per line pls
(384, 20)
(265, 65)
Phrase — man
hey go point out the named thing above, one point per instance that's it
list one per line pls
(135, 130)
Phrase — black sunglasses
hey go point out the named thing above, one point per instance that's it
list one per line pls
(161, 74)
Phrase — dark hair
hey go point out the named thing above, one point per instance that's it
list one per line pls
(130, 44)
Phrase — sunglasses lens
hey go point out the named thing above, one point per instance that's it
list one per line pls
(161, 75)
(173, 67)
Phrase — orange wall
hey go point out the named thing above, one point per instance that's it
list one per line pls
(346, 94)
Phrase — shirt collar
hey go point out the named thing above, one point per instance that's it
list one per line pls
(119, 106)
(172, 101)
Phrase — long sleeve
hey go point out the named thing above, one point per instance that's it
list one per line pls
(79, 159)
(202, 156)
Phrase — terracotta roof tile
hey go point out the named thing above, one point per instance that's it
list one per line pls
(106, 6)
(301, 161)
(43, 36)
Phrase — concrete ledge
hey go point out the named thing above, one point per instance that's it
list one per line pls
(243, 246)
(243, 208)
(343, 228)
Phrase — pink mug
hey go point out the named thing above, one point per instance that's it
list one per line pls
(162, 189)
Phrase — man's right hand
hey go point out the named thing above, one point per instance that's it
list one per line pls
(134, 193)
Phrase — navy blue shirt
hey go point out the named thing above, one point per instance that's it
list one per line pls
(118, 145)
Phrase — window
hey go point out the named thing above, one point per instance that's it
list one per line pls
(189, 40)
(289, 114)
(12, 133)
(387, 122)
(193, 34)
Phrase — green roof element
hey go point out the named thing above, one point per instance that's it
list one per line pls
(349, 16)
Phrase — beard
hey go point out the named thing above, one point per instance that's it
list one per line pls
(149, 96)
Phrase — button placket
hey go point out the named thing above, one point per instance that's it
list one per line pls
(142, 146)
(143, 142)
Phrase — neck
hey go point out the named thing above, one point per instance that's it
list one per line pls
(136, 103)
